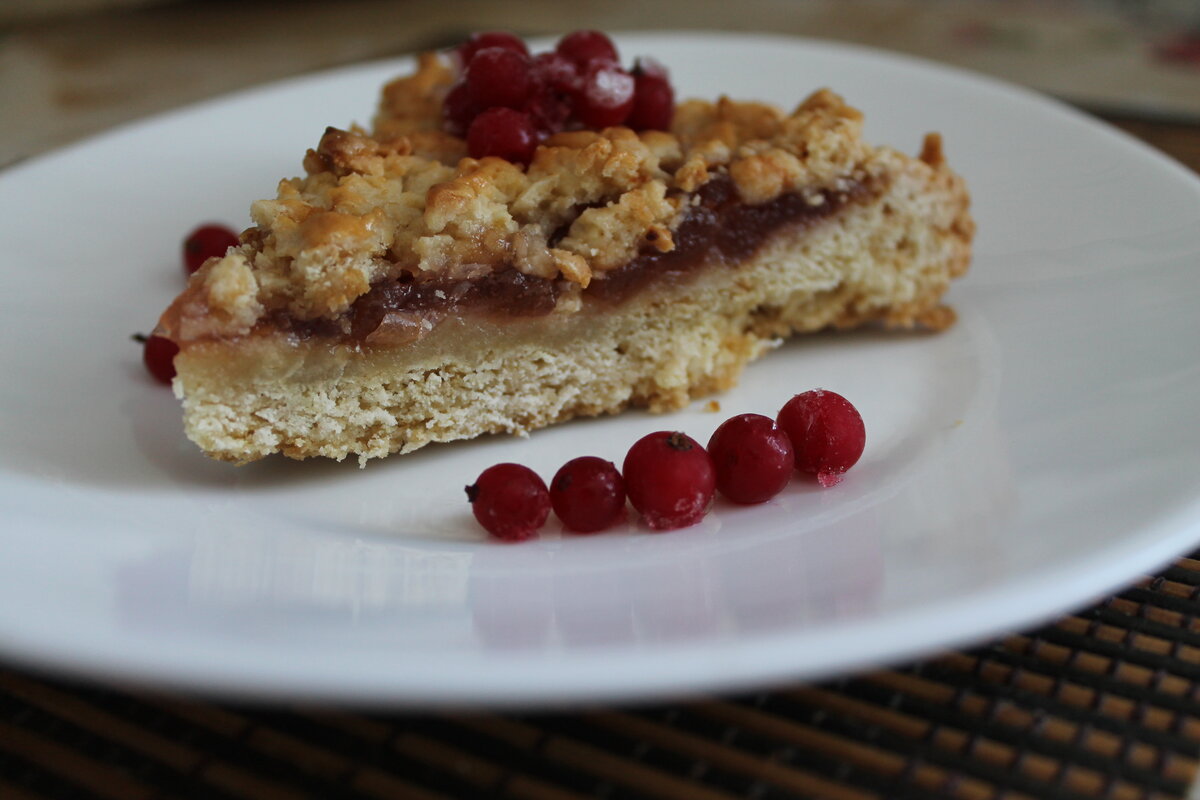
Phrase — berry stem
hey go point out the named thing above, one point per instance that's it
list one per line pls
(680, 441)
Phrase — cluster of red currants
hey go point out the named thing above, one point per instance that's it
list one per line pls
(207, 241)
(670, 479)
(509, 100)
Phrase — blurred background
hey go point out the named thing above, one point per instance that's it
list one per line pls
(70, 68)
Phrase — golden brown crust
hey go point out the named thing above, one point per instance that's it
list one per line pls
(413, 103)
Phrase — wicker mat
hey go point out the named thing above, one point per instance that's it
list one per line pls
(1103, 704)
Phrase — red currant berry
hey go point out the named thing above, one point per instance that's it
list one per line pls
(499, 77)
(653, 103)
(556, 71)
(458, 110)
(644, 65)
(605, 97)
(584, 47)
(548, 110)
(670, 480)
(207, 241)
(588, 494)
(478, 41)
(753, 458)
(158, 353)
(510, 501)
(503, 133)
(827, 433)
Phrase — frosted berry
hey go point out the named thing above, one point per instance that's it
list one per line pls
(584, 47)
(480, 41)
(556, 80)
(555, 71)
(827, 433)
(206, 242)
(499, 77)
(670, 480)
(605, 96)
(753, 458)
(158, 354)
(653, 99)
(510, 501)
(548, 110)
(503, 133)
(588, 494)
(642, 65)
(458, 110)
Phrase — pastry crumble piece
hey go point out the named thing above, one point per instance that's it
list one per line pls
(403, 292)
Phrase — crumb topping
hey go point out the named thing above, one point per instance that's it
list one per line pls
(404, 201)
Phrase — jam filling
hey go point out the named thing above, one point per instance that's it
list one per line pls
(719, 227)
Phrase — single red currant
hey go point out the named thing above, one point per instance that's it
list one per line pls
(753, 458)
(549, 111)
(584, 47)
(510, 501)
(556, 71)
(644, 65)
(206, 242)
(605, 97)
(503, 133)
(653, 102)
(827, 433)
(458, 110)
(670, 480)
(588, 494)
(478, 41)
(499, 77)
(158, 354)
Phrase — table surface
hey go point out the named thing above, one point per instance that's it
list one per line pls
(1104, 703)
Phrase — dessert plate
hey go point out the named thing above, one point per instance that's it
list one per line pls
(1040, 453)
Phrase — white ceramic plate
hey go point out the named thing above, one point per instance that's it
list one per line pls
(1035, 456)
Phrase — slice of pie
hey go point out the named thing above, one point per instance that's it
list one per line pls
(403, 293)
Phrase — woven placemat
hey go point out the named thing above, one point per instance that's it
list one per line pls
(1102, 704)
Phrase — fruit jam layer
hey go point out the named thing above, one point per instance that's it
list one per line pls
(719, 228)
